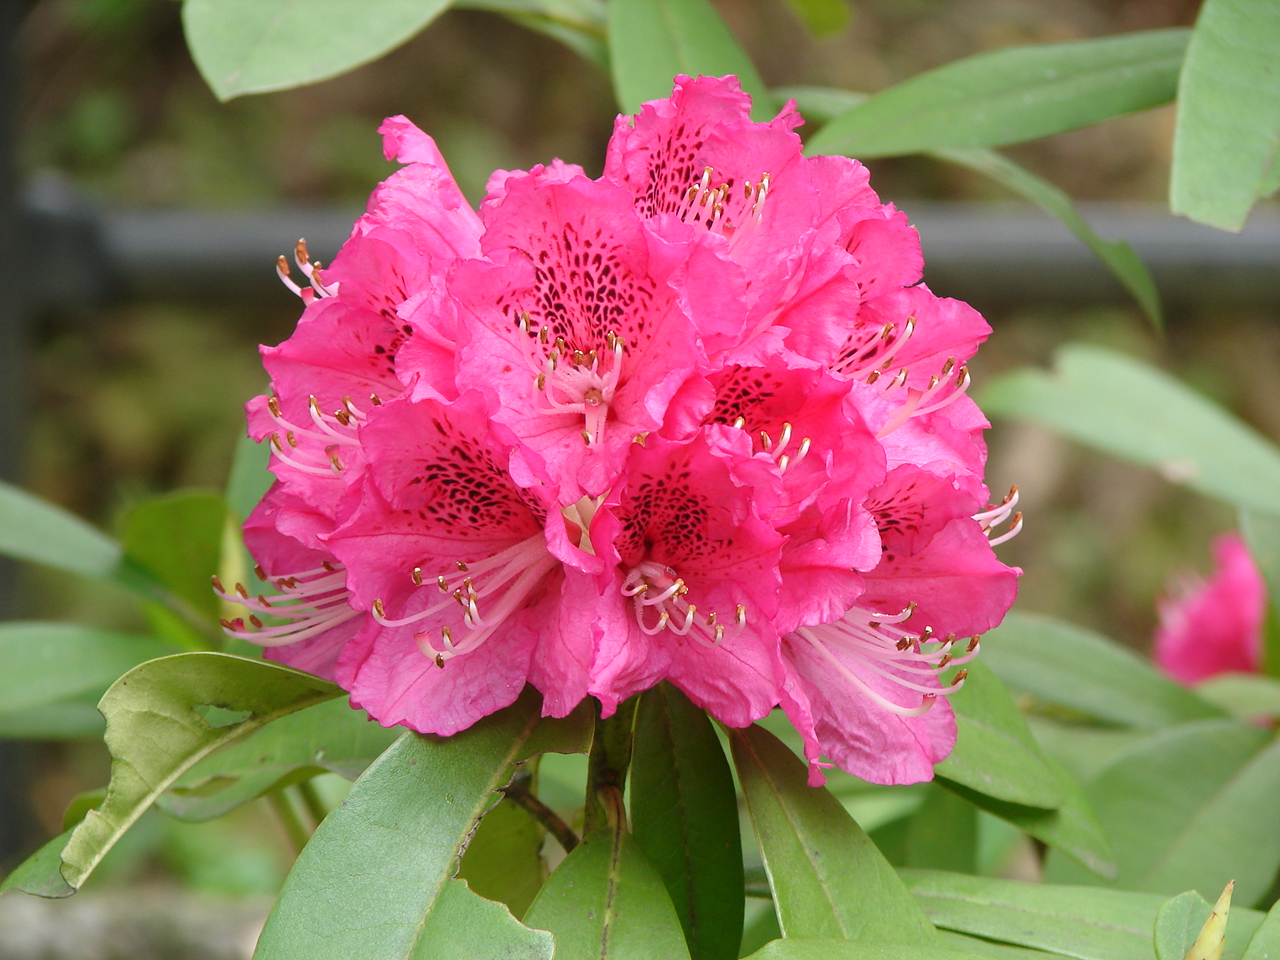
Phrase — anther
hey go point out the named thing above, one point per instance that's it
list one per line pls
(944, 661)
(289, 436)
(217, 583)
(541, 381)
(740, 615)
(273, 404)
(740, 422)
(959, 678)
(461, 566)
(259, 572)
(443, 584)
(586, 437)
(335, 462)
(440, 660)
(342, 417)
(253, 618)
(926, 634)
(378, 609)
(375, 399)
(416, 576)
(887, 332)
(873, 376)
(300, 251)
(275, 442)
(973, 644)
(244, 594)
(948, 366)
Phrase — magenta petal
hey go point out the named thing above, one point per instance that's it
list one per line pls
(839, 720)
(1214, 626)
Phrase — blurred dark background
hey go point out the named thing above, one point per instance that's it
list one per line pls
(131, 373)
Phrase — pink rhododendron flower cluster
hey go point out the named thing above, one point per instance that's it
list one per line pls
(696, 420)
(1213, 626)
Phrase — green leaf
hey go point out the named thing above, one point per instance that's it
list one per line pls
(45, 663)
(651, 41)
(155, 732)
(605, 900)
(1190, 808)
(684, 814)
(40, 874)
(377, 879)
(1243, 695)
(1134, 411)
(822, 17)
(1178, 923)
(1072, 828)
(1117, 255)
(1084, 749)
(578, 24)
(503, 860)
(1011, 95)
(1084, 922)
(989, 948)
(1227, 136)
(250, 479)
(35, 530)
(825, 949)
(1265, 944)
(252, 46)
(328, 737)
(943, 835)
(1262, 534)
(73, 719)
(828, 878)
(177, 539)
(1065, 665)
(995, 753)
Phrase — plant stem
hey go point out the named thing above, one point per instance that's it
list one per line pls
(518, 793)
(311, 800)
(289, 819)
(607, 767)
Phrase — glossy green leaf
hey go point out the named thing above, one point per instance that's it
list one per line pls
(156, 730)
(1117, 255)
(1089, 923)
(1136, 412)
(606, 901)
(825, 949)
(995, 753)
(1178, 923)
(1243, 695)
(943, 835)
(1265, 943)
(828, 878)
(822, 17)
(1067, 666)
(38, 531)
(252, 46)
(1191, 808)
(1072, 828)
(45, 663)
(684, 814)
(651, 41)
(177, 539)
(578, 24)
(40, 874)
(989, 948)
(73, 719)
(1083, 749)
(1227, 136)
(377, 879)
(1262, 533)
(1011, 95)
(329, 737)
(503, 860)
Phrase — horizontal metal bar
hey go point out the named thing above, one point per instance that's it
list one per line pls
(989, 254)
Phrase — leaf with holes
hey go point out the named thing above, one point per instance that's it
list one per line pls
(377, 879)
(166, 715)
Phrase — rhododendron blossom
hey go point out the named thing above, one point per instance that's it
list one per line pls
(1213, 626)
(696, 420)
